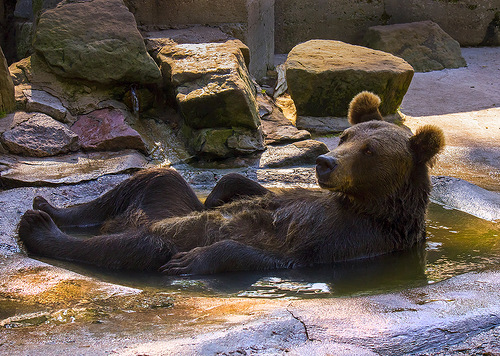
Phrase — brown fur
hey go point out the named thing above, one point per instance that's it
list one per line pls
(364, 107)
(376, 189)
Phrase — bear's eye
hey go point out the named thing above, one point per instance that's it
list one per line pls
(367, 151)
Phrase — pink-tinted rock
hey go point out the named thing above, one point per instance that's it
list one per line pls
(40, 136)
(106, 130)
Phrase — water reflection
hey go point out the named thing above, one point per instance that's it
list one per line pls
(457, 243)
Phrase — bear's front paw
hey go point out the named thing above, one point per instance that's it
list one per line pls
(185, 263)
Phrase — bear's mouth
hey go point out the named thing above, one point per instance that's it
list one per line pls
(325, 185)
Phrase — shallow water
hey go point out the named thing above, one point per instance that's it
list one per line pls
(457, 243)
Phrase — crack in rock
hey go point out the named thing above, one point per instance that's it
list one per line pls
(303, 324)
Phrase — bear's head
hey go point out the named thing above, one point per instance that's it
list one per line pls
(375, 158)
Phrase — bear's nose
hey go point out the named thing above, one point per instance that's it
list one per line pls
(325, 165)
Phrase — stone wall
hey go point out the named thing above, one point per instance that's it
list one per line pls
(275, 26)
(343, 20)
(464, 20)
(347, 20)
(251, 21)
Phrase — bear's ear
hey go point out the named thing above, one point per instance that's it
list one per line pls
(426, 143)
(364, 107)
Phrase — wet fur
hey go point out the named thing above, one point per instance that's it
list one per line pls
(374, 204)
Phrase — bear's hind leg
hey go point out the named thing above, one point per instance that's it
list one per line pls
(231, 187)
(136, 249)
(157, 192)
(39, 234)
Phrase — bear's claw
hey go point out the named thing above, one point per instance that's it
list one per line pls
(182, 263)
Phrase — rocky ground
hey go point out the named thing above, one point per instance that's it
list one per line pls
(46, 309)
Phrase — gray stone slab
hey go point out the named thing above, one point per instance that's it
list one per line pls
(41, 101)
(69, 169)
(464, 196)
(300, 153)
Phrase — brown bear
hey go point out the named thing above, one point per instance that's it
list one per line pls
(376, 193)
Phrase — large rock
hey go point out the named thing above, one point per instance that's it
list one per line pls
(213, 89)
(39, 136)
(106, 130)
(212, 86)
(94, 40)
(7, 102)
(423, 44)
(323, 76)
(64, 98)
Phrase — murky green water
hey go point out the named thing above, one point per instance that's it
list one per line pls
(457, 243)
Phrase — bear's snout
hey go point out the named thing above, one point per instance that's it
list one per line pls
(325, 165)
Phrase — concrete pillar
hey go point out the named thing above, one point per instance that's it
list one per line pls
(260, 36)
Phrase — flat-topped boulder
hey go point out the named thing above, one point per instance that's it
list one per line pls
(213, 89)
(422, 44)
(156, 40)
(94, 40)
(323, 76)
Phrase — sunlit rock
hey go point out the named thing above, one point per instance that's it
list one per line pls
(94, 40)
(156, 40)
(275, 126)
(67, 169)
(21, 71)
(78, 97)
(213, 89)
(424, 45)
(461, 195)
(39, 136)
(323, 76)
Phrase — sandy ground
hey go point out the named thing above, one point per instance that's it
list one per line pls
(465, 103)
